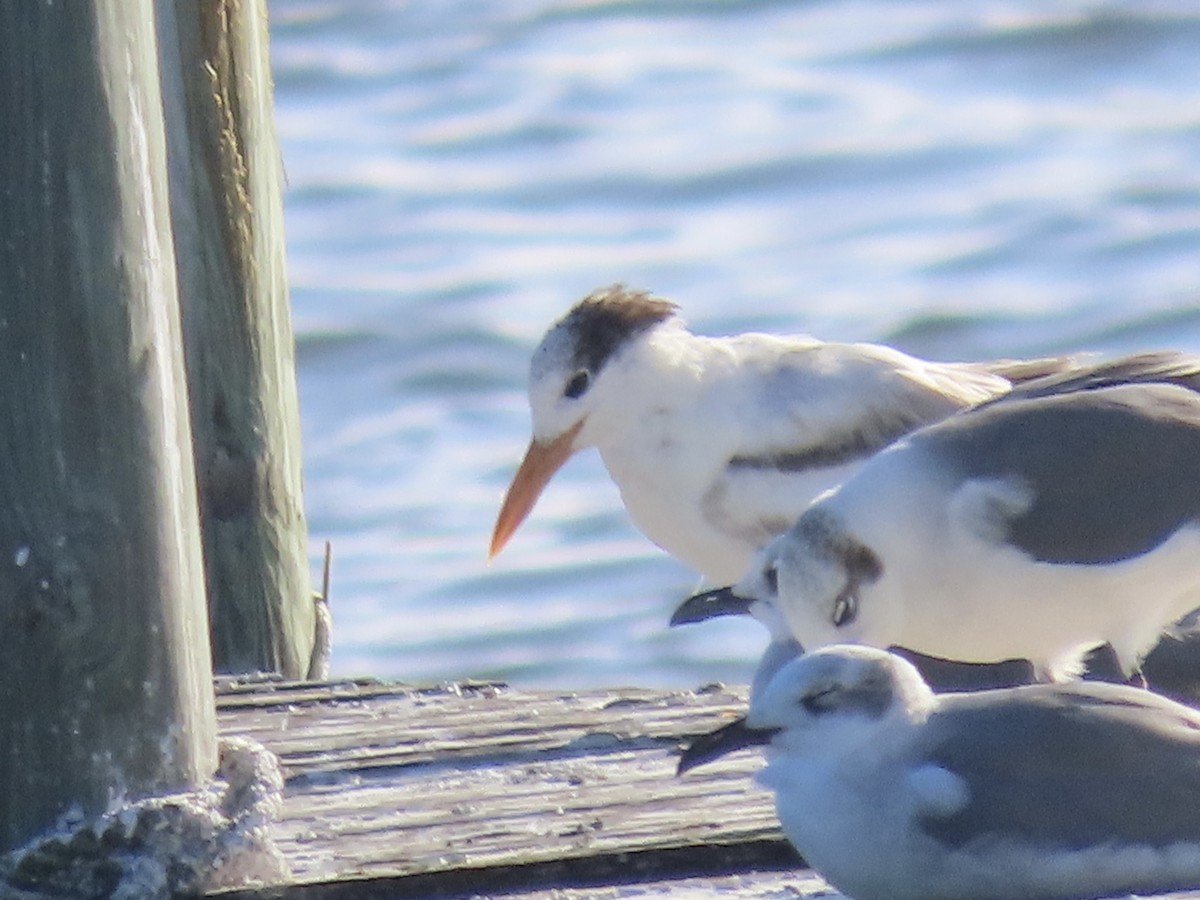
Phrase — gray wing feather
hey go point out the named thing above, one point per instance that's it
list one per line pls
(831, 404)
(1113, 472)
(1019, 371)
(1159, 367)
(1070, 767)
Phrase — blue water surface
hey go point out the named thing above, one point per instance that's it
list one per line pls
(965, 180)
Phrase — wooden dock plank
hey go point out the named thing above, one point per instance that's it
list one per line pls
(490, 814)
(396, 727)
(482, 790)
(389, 783)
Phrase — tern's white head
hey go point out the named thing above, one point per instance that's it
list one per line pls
(568, 383)
(567, 373)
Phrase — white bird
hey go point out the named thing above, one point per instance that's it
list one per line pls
(1033, 527)
(1041, 792)
(718, 443)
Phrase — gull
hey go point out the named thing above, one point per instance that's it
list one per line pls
(1043, 792)
(1034, 527)
(718, 443)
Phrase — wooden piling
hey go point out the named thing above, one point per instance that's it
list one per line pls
(105, 687)
(227, 211)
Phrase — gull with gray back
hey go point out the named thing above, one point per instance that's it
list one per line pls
(1040, 792)
(1032, 527)
(718, 443)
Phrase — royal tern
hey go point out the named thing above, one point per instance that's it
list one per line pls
(1044, 791)
(1032, 527)
(718, 443)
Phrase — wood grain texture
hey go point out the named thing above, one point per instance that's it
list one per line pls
(104, 675)
(227, 213)
(478, 790)
(396, 791)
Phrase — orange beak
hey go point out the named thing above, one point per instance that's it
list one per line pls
(537, 468)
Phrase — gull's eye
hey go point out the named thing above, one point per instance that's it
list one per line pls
(771, 576)
(845, 608)
(819, 701)
(577, 385)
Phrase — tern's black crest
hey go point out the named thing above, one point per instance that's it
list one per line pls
(606, 319)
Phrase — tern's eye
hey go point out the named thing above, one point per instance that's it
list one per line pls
(771, 576)
(578, 384)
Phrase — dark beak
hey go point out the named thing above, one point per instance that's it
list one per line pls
(737, 735)
(709, 605)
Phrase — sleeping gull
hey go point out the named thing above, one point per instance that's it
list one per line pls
(1043, 791)
(718, 443)
(1032, 527)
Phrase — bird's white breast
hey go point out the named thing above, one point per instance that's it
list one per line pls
(953, 590)
(858, 820)
(851, 817)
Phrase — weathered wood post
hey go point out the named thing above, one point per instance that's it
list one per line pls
(105, 685)
(227, 209)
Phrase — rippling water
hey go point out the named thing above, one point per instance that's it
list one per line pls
(961, 179)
